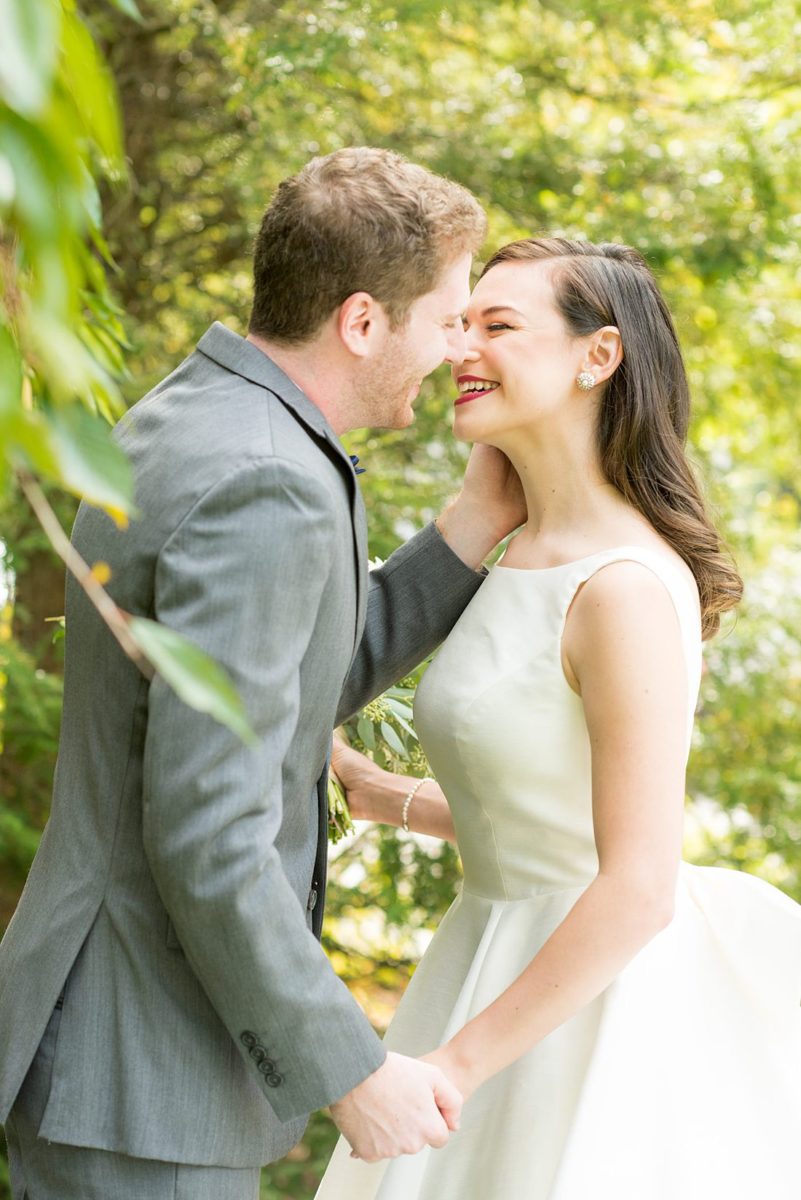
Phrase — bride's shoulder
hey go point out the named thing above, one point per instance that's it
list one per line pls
(626, 586)
(638, 593)
(641, 568)
(624, 626)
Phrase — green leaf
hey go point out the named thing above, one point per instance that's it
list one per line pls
(27, 442)
(103, 348)
(8, 183)
(197, 679)
(128, 7)
(405, 725)
(366, 732)
(10, 373)
(63, 361)
(35, 167)
(92, 89)
(403, 714)
(392, 739)
(30, 33)
(88, 462)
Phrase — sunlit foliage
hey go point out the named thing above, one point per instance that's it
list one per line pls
(673, 127)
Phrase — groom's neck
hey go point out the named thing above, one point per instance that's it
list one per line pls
(308, 369)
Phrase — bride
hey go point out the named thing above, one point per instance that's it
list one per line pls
(621, 1024)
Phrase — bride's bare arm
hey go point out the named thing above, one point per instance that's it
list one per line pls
(624, 647)
(377, 795)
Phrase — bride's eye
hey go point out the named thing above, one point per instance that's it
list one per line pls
(496, 325)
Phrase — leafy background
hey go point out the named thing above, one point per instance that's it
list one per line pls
(137, 151)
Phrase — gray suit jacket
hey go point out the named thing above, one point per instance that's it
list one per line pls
(178, 888)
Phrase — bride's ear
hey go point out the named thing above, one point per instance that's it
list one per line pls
(604, 352)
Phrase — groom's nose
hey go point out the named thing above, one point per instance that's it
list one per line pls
(456, 345)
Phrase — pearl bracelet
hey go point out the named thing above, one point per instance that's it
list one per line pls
(407, 802)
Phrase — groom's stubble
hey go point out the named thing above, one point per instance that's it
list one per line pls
(388, 383)
(387, 387)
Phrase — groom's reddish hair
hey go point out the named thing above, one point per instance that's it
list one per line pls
(358, 220)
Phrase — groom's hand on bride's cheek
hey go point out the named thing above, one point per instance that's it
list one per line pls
(402, 1107)
(489, 507)
(492, 485)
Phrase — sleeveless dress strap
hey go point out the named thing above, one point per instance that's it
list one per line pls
(684, 598)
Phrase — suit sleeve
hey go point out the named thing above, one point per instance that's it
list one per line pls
(243, 577)
(413, 602)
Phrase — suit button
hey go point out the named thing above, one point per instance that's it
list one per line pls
(258, 1054)
(312, 901)
(267, 1066)
(275, 1080)
(248, 1039)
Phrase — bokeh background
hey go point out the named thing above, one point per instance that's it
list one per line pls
(138, 148)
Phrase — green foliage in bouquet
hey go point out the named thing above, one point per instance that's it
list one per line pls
(384, 732)
(410, 879)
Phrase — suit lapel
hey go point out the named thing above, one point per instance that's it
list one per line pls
(360, 539)
(236, 354)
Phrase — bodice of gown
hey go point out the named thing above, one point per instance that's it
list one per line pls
(505, 734)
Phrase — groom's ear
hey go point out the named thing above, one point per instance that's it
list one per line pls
(360, 324)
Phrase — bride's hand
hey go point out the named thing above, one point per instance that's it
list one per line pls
(356, 774)
(458, 1072)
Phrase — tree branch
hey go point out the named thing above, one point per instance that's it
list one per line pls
(114, 616)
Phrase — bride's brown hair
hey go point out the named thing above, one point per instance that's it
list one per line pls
(645, 407)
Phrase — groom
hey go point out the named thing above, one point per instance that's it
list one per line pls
(167, 1017)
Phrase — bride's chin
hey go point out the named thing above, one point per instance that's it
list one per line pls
(462, 435)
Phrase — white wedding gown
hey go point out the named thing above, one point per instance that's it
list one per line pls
(682, 1080)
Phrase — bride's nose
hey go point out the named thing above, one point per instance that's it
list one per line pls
(471, 353)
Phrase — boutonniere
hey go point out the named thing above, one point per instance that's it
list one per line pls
(354, 458)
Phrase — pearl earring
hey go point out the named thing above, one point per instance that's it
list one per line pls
(585, 380)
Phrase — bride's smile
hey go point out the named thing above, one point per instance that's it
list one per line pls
(521, 362)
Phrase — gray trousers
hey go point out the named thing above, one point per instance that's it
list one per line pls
(42, 1170)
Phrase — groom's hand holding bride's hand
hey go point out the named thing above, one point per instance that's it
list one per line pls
(457, 1071)
(489, 507)
(402, 1107)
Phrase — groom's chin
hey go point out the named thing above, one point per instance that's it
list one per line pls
(397, 420)
(403, 418)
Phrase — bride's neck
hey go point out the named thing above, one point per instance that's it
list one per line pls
(565, 489)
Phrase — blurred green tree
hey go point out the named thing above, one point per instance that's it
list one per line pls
(664, 125)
